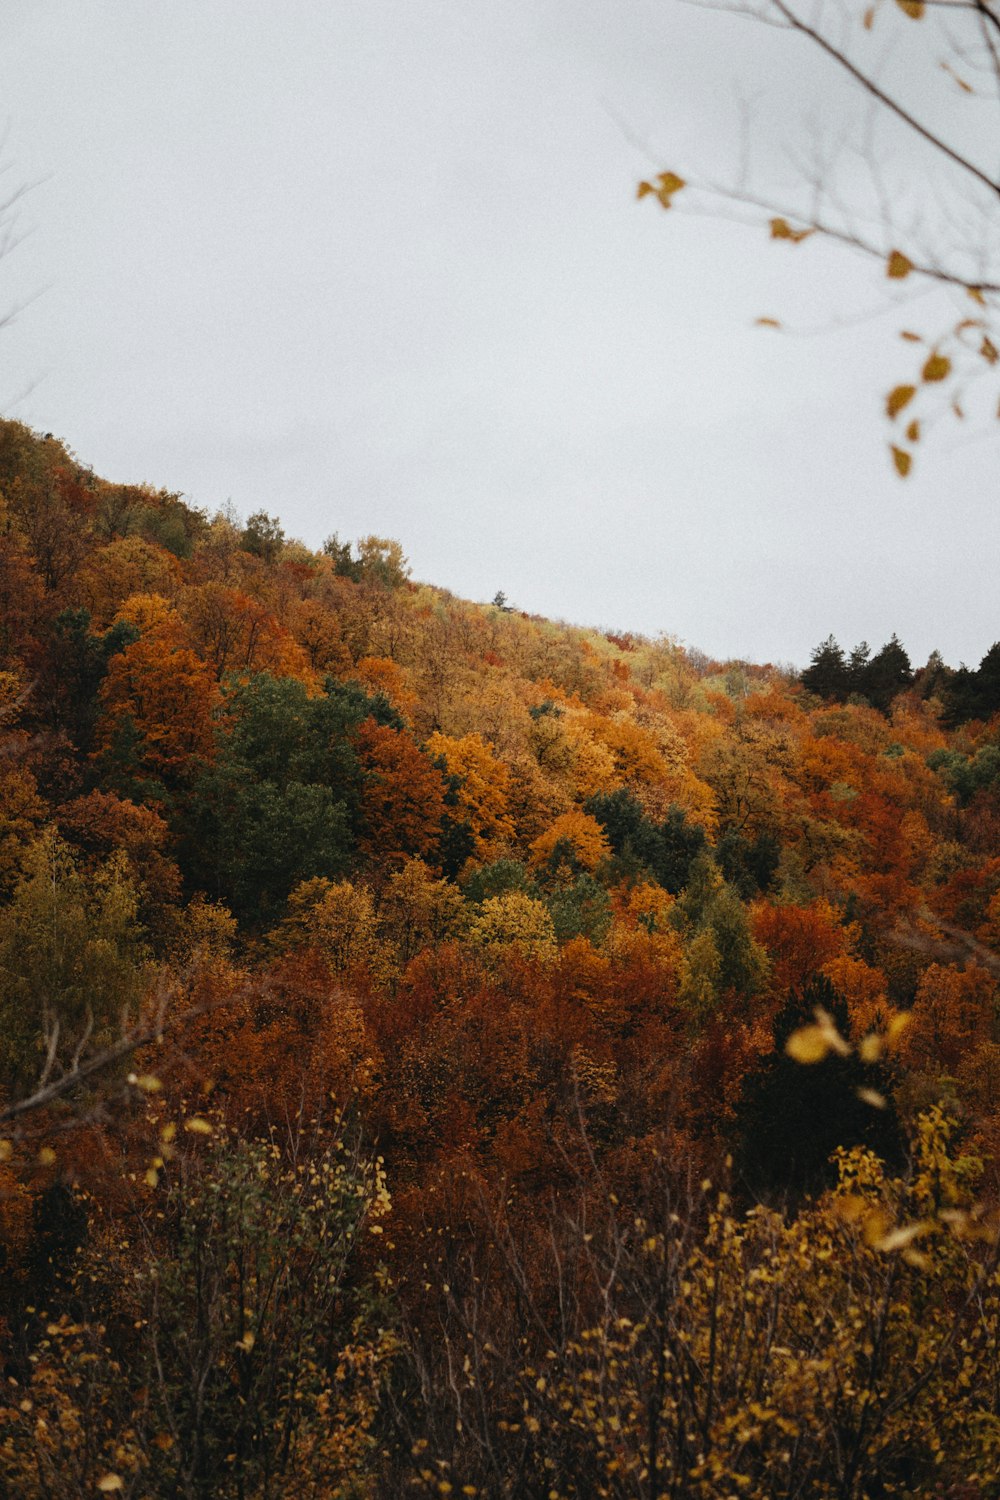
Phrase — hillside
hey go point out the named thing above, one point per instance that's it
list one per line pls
(322, 890)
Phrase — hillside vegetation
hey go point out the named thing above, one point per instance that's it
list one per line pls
(444, 1051)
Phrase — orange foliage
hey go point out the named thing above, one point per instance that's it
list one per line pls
(403, 799)
(484, 786)
(128, 565)
(380, 674)
(801, 941)
(236, 633)
(952, 1013)
(580, 832)
(167, 696)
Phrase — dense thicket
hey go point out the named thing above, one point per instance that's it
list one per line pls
(445, 1049)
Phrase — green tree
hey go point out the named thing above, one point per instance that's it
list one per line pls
(282, 803)
(828, 674)
(889, 672)
(263, 536)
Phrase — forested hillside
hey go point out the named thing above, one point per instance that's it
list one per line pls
(446, 1051)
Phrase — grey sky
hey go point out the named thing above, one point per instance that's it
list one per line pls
(378, 267)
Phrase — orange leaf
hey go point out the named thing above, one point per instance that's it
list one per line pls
(938, 367)
(898, 265)
(899, 397)
(902, 460)
(782, 230)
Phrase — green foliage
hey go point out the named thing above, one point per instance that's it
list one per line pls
(974, 695)
(263, 536)
(580, 908)
(749, 865)
(876, 679)
(372, 558)
(76, 663)
(497, 878)
(282, 802)
(966, 775)
(665, 849)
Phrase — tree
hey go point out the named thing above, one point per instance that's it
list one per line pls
(72, 965)
(916, 108)
(402, 803)
(156, 713)
(889, 672)
(792, 1117)
(828, 674)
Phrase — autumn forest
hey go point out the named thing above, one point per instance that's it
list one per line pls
(449, 1052)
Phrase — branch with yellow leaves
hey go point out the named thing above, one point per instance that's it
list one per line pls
(936, 225)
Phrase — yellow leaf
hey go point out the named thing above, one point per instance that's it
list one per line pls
(976, 295)
(902, 460)
(911, 338)
(110, 1483)
(868, 19)
(767, 323)
(938, 367)
(897, 1026)
(870, 1047)
(834, 1039)
(152, 1177)
(670, 182)
(898, 265)
(872, 1097)
(46, 1156)
(989, 351)
(782, 230)
(198, 1125)
(913, 432)
(809, 1044)
(148, 1082)
(895, 1239)
(6, 1150)
(876, 1226)
(960, 414)
(667, 184)
(912, 8)
(898, 397)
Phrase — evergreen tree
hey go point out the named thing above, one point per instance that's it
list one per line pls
(828, 674)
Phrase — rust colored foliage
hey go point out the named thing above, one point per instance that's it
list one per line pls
(166, 697)
(402, 802)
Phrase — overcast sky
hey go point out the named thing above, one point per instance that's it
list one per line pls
(378, 266)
